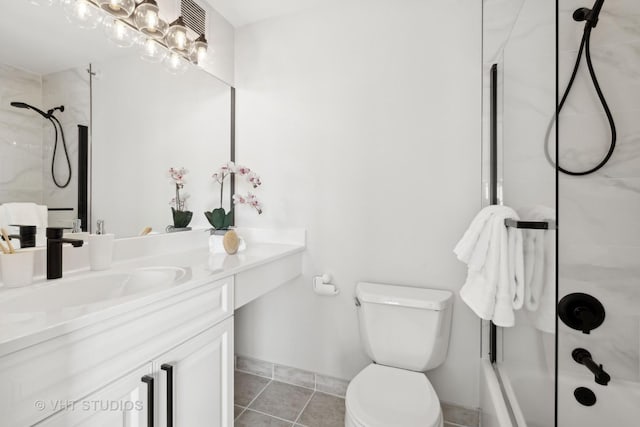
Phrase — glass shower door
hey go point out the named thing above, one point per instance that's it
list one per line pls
(519, 42)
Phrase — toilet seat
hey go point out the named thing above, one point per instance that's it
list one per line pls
(381, 396)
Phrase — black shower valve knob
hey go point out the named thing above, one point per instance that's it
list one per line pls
(581, 312)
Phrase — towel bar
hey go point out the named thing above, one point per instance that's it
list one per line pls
(530, 225)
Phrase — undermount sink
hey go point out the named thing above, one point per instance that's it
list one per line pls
(74, 296)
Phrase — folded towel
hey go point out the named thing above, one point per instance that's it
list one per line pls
(494, 256)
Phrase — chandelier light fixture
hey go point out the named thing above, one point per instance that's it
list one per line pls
(137, 22)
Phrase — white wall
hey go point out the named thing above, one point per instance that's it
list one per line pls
(145, 121)
(364, 121)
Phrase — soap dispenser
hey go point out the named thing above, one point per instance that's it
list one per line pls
(100, 248)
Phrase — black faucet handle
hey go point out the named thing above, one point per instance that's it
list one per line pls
(583, 357)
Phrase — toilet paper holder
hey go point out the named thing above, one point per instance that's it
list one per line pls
(322, 286)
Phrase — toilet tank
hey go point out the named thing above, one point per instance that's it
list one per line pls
(404, 327)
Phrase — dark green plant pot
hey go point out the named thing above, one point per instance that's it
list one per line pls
(181, 218)
(219, 219)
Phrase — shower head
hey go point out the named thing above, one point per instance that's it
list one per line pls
(46, 115)
(589, 15)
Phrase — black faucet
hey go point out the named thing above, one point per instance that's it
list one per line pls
(583, 357)
(54, 251)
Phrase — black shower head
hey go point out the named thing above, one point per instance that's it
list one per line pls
(46, 115)
(589, 15)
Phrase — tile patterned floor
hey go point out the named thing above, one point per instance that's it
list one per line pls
(262, 402)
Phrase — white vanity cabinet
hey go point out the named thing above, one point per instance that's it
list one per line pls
(196, 381)
(72, 378)
(190, 385)
(121, 404)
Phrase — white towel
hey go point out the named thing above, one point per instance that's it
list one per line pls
(494, 256)
(25, 214)
(540, 270)
(534, 255)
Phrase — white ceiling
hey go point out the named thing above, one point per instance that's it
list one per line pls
(243, 12)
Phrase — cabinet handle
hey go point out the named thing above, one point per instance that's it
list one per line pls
(169, 369)
(148, 380)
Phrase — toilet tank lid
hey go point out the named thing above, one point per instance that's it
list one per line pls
(405, 296)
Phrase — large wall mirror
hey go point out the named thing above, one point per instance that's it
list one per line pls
(125, 122)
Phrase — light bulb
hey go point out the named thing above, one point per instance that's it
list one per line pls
(147, 20)
(175, 63)
(152, 51)
(199, 50)
(119, 8)
(119, 33)
(151, 19)
(82, 13)
(176, 37)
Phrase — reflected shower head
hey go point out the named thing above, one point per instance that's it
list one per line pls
(46, 115)
(19, 105)
(589, 15)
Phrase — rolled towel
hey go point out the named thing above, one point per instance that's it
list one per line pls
(534, 267)
(517, 278)
(540, 270)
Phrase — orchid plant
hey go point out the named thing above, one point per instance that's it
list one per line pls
(219, 218)
(181, 216)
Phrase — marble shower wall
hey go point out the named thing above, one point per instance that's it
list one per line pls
(71, 89)
(599, 248)
(27, 140)
(20, 137)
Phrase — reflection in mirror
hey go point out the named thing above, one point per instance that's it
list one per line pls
(146, 121)
(44, 119)
(143, 121)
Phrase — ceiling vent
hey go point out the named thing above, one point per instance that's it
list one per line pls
(195, 17)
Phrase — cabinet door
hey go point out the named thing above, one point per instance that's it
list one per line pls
(196, 380)
(123, 403)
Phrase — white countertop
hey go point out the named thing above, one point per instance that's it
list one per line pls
(18, 331)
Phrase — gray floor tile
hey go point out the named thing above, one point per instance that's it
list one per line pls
(323, 411)
(237, 410)
(250, 418)
(282, 400)
(459, 415)
(247, 387)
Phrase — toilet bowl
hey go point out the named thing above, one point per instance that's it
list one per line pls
(405, 331)
(381, 396)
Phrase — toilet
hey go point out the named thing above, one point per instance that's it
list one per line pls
(405, 331)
